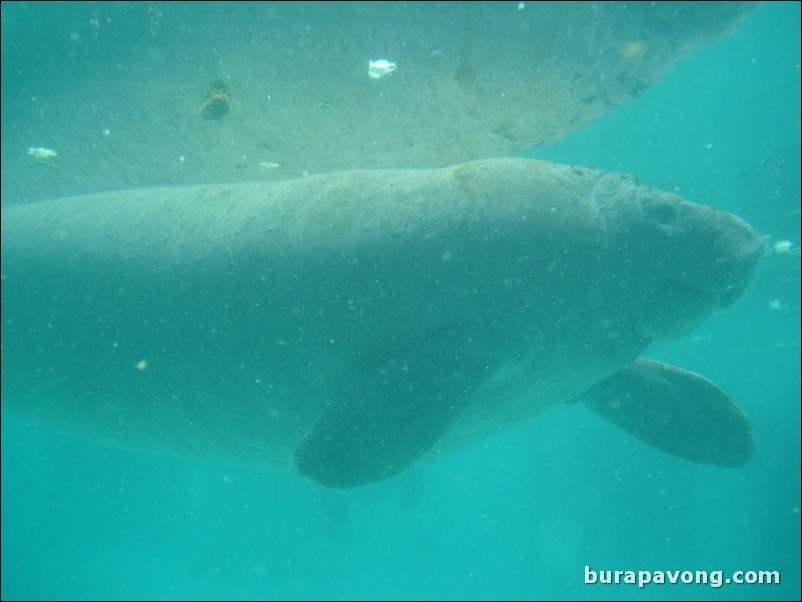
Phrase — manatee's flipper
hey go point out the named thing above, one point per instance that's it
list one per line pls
(383, 425)
(676, 411)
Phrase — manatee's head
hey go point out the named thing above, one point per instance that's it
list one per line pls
(682, 261)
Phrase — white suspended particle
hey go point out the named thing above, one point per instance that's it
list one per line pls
(41, 155)
(380, 67)
(785, 246)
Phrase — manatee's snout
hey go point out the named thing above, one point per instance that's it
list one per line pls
(691, 260)
(738, 249)
(711, 251)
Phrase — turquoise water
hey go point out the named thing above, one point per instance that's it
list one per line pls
(522, 514)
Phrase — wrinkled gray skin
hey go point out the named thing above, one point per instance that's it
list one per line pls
(224, 321)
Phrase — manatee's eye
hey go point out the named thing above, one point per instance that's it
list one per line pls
(664, 213)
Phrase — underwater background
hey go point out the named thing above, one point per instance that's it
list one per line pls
(520, 515)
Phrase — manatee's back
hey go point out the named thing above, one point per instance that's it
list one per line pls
(221, 320)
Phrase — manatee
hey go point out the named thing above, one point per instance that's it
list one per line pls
(352, 324)
(473, 80)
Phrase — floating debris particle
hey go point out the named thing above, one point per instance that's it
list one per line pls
(40, 155)
(380, 67)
